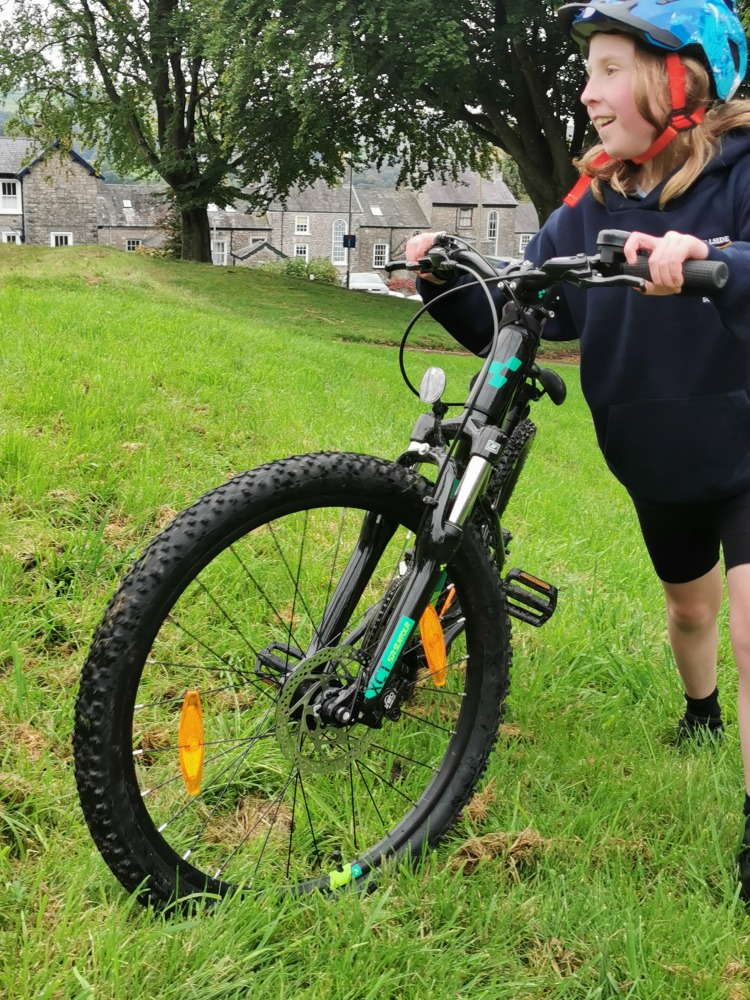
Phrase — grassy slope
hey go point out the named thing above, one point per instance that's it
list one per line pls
(129, 386)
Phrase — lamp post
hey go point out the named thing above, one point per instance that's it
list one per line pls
(349, 227)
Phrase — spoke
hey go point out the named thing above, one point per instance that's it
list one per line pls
(421, 718)
(179, 698)
(354, 814)
(178, 777)
(294, 581)
(389, 783)
(292, 774)
(329, 588)
(232, 623)
(374, 803)
(303, 538)
(259, 588)
(291, 827)
(412, 760)
(309, 820)
(277, 798)
(181, 627)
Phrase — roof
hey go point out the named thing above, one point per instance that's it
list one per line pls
(255, 247)
(131, 205)
(465, 191)
(319, 197)
(388, 209)
(14, 153)
(237, 216)
(527, 221)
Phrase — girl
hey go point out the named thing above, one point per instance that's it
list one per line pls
(667, 377)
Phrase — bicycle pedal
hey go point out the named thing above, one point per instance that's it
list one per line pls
(528, 598)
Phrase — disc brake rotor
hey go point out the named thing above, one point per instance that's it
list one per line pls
(303, 738)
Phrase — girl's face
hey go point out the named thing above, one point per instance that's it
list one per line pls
(608, 96)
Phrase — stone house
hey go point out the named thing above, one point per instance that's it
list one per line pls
(47, 200)
(58, 199)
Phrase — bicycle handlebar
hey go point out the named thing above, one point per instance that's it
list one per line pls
(606, 268)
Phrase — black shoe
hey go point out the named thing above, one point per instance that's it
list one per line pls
(743, 863)
(699, 729)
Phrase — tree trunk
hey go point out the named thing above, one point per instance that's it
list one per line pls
(196, 235)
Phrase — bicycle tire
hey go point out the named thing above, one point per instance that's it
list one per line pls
(167, 623)
(506, 474)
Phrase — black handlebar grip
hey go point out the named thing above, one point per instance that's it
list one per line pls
(699, 275)
(395, 265)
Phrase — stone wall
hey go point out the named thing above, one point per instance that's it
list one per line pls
(60, 196)
(446, 218)
(319, 239)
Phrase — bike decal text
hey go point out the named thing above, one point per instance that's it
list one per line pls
(497, 379)
(391, 654)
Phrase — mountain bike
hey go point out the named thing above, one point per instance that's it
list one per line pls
(301, 679)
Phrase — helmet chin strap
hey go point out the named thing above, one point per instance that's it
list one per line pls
(679, 121)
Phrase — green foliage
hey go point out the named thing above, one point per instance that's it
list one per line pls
(323, 271)
(169, 88)
(319, 269)
(500, 72)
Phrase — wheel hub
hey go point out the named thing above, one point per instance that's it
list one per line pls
(304, 738)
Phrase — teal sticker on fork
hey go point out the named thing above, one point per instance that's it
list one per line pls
(497, 379)
(391, 654)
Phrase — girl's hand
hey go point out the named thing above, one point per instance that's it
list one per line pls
(667, 255)
(416, 248)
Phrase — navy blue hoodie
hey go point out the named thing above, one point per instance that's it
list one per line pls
(667, 378)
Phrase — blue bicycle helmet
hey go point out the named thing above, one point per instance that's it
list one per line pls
(710, 28)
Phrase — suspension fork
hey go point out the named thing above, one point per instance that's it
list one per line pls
(374, 536)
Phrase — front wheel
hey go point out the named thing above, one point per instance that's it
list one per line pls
(200, 763)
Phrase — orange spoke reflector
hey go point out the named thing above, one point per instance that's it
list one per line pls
(448, 601)
(433, 643)
(191, 741)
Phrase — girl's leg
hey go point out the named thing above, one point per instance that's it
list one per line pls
(692, 614)
(738, 585)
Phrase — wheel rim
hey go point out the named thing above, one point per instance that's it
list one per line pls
(269, 812)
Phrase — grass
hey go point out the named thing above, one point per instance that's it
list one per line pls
(595, 861)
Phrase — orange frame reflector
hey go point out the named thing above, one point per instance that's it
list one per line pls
(433, 643)
(191, 742)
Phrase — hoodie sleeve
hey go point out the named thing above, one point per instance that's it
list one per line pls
(461, 305)
(733, 301)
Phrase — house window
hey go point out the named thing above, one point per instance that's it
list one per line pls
(302, 224)
(60, 239)
(380, 255)
(219, 252)
(300, 250)
(132, 245)
(523, 241)
(10, 197)
(338, 253)
(464, 217)
(492, 227)
(11, 238)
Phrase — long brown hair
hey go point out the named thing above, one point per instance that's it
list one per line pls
(689, 151)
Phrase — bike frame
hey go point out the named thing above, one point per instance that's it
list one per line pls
(499, 401)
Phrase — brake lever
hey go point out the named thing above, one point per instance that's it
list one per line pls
(614, 281)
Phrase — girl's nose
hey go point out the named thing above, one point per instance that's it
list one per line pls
(588, 94)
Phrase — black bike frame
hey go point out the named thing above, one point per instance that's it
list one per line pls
(496, 406)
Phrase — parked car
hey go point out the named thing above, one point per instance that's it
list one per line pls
(366, 281)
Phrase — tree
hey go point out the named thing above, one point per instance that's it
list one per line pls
(500, 68)
(149, 84)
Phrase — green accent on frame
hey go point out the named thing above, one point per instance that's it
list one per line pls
(391, 654)
(497, 379)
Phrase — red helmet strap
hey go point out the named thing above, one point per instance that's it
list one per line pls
(678, 121)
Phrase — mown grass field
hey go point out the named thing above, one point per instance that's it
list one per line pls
(595, 862)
